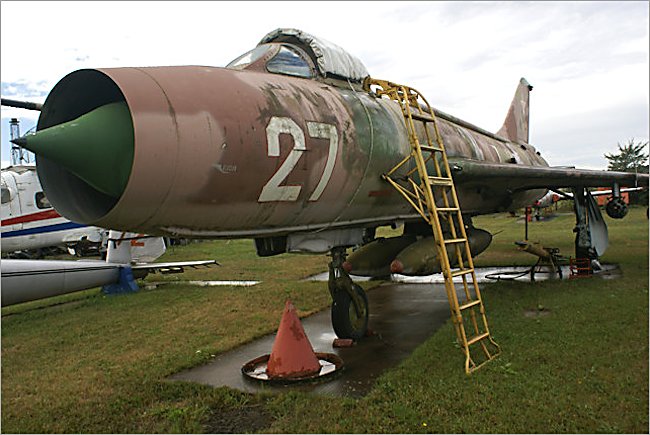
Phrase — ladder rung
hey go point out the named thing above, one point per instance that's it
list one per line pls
(431, 149)
(441, 181)
(477, 338)
(469, 304)
(461, 272)
(421, 117)
(455, 241)
(447, 209)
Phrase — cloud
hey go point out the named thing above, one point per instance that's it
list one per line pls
(587, 136)
(25, 90)
(588, 61)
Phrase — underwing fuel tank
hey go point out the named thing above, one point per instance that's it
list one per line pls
(421, 258)
(206, 152)
(374, 258)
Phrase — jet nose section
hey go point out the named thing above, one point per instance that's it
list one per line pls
(97, 147)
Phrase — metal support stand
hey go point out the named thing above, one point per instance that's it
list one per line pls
(126, 284)
(550, 263)
(579, 268)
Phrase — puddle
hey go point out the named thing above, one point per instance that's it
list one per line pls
(324, 276)
(486, 275)
(230, 283)
(402, 316)
(153, 285)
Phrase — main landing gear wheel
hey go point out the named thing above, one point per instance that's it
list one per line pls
(346, 321)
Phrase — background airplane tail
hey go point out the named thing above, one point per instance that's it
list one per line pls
(515, 127)
(125, 247)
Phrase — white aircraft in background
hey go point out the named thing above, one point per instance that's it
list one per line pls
(129, 256)
(29, 222)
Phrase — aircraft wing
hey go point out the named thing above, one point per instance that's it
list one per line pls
(517, 177)
(28, 280)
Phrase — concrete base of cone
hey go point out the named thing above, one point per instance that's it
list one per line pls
(329, 364)
(292, 357)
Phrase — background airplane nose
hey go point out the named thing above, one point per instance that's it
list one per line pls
(97, 147)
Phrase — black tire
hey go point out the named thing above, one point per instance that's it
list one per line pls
(345, 321)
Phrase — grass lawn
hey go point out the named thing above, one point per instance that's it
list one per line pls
(98, 364)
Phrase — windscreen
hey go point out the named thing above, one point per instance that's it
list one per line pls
(247, 58)
(289, 62)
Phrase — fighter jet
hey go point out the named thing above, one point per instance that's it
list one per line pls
(286, 145)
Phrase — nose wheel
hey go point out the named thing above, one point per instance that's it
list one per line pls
(350, 302)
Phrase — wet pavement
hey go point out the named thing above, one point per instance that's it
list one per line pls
(518, 273)
(153, 285)
(402, 315)
(487, 274)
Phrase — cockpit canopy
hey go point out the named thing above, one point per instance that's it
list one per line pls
(276, 58)
(296, 53)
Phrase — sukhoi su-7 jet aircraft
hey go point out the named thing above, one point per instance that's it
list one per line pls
(286, 145)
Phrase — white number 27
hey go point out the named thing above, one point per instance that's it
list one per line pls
(272, 191)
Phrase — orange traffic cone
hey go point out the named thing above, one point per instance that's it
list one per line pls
(292, 355)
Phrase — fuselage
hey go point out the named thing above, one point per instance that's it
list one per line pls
(226, 153)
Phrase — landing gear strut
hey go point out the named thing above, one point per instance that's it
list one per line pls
(591, 231)
(350, 303)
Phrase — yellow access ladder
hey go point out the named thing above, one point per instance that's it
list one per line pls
(434, 198)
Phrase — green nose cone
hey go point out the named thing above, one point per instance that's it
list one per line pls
(97, 147)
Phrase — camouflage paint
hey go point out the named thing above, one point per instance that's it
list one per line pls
(239, 153)
(201, 159)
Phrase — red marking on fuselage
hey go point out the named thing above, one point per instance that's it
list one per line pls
(134, 242)
(41, 215)
(137, 242)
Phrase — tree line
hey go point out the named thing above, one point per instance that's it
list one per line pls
(631, 157)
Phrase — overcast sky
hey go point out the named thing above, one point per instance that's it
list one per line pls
(587, 61)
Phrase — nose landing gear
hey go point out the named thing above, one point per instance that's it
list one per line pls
(350, 303)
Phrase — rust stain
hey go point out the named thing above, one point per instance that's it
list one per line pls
(377, 193)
